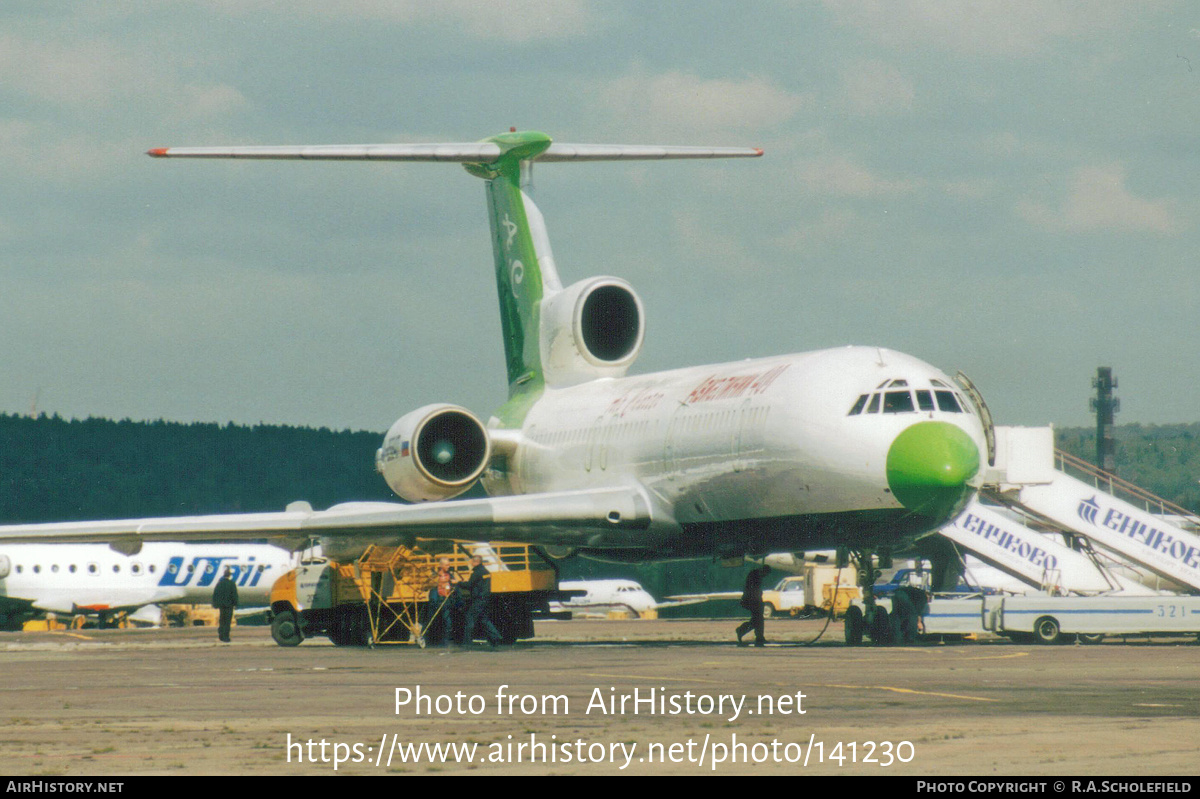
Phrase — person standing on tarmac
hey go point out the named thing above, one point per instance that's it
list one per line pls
(910, 603)
(225, 599)
(752, 601)
(442, 610)
(479, 593)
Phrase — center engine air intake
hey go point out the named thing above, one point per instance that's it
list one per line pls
(610, 322)
(593, 328)
(435, 452)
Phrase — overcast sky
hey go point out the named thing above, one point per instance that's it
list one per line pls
(1002, 187)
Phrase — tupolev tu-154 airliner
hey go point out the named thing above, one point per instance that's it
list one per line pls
(862, 449)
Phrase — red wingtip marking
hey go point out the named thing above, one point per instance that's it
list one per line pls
(157, 152)
(758, 150)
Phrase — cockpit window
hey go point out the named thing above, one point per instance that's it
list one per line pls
(897, 402)
(947, 402)
(941, 398)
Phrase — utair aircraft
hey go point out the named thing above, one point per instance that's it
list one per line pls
(95, 579)
(862, 449)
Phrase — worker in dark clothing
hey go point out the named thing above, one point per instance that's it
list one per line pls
(225, 599)
(478, 590)
(909, 604)
(752, 601)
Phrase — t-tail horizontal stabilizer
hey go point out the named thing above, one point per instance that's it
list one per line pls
(480, 152)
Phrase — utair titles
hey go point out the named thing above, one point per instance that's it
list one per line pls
(611, 702)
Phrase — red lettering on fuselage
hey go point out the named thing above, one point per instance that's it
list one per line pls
(637, 400)
(719, 388)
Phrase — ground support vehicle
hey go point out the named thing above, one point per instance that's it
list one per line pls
(1051, 619)
(52, 621)
(384, 596)
(1055, 619)
(829, 590)
(190, 616)
(786, 597)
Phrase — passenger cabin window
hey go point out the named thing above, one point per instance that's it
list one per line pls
(898, 402)
(924, 400)
(947, 402)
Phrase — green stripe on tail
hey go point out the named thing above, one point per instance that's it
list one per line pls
(518, 272)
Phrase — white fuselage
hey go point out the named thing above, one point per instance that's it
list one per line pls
(767, 446)
(70, 578)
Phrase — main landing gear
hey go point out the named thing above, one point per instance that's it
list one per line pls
(870, 620)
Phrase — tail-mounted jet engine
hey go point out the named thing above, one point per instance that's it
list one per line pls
(593, 328)
(435, 452)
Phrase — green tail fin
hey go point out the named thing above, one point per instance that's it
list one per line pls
(520, 278)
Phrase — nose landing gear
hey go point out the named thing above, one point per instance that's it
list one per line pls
(870, 620)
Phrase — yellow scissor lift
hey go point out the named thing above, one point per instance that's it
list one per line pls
(384, 596)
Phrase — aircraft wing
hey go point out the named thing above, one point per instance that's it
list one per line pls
(680, 601)
(570, 518)
(692, 599)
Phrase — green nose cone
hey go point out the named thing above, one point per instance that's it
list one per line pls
(928, 467)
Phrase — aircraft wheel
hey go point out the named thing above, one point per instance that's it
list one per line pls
(1046, 630)
(1090, 638)
(768, 611)
(881, 628)
(853, 622)
(358, 627)
(339, 627)
(285, 629)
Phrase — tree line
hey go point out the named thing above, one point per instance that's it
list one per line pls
(54, 469)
